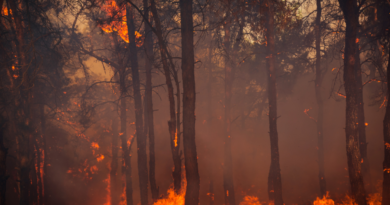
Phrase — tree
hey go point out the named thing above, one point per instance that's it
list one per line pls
(274, 177)
(141, 138)
(320, 103)
(351, 15)
(149, 124)
(188, 76)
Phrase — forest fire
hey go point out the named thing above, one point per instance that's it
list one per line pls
(184, 102)
(118, 21)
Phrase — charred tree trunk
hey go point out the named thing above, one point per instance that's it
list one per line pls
(176, 174)
(34, 173)
(46, 196)
(39, 171)
(365, 166)
(123, 135)
(386, 137)
(115, 192)
(3, 163)
(141, 138)
(274, 177)
(22, 102)
(228, 183)
(188, 76)
(149, 121)
(320, 102)
(351, 15)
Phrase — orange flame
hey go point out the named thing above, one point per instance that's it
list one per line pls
(250, 200)
(174, 198)
(324, 201)
(118, 23)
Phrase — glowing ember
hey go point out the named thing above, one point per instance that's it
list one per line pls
(118, 22)
(175, 139)
(250, 200)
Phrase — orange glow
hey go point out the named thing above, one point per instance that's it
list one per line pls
(250, 200)
(100, 158)
(118, 23)
(324, 201)
(5, 11)
(108, 188)
(95, 145)
(175, 140)
(341, 95)
(173, 198)
(372, 199)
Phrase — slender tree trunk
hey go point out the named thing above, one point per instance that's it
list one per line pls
(46, 196)
(123, 136)
(176, 174)
(3, 163)
(274, 177)
(386, 136)
(228, 183)
(188, 76)
(39, 171)
(320, 103)
(22, 106)
(351, 15)
(209, 119)
(33, 173)
(149, 121)
(141, 138)
(115, 191)
(365, 166)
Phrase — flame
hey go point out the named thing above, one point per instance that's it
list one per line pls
(108, 188)
(95, 145)
(250, 200)
(118, 23)
(324, 201)
(5, 11)
(372, 199)
(174, 198)
(175, 140)
(100, 158)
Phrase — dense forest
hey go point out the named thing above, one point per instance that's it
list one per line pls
(187, 102)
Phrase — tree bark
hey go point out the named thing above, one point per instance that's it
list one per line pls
(3, 163)
(123, 135)
(228, 183)
(149, 121)
(351, 16)
(274, 177)
(188, 76)
(386, 137)
(176, 174)
(115, 191)
(141, 138)
(365, 166)
(320, 102)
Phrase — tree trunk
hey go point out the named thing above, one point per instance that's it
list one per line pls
(228, 183)
(176, 174)
(115, 191)
(274, 177)
(45, 148)
(320, 103)
(3, 163)
(149, 121)
(188, 76)
(141, 138)
(351, 15)
(386, 136)
(365, 166)
(123, 135)
(39, 171)
(22, 106)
